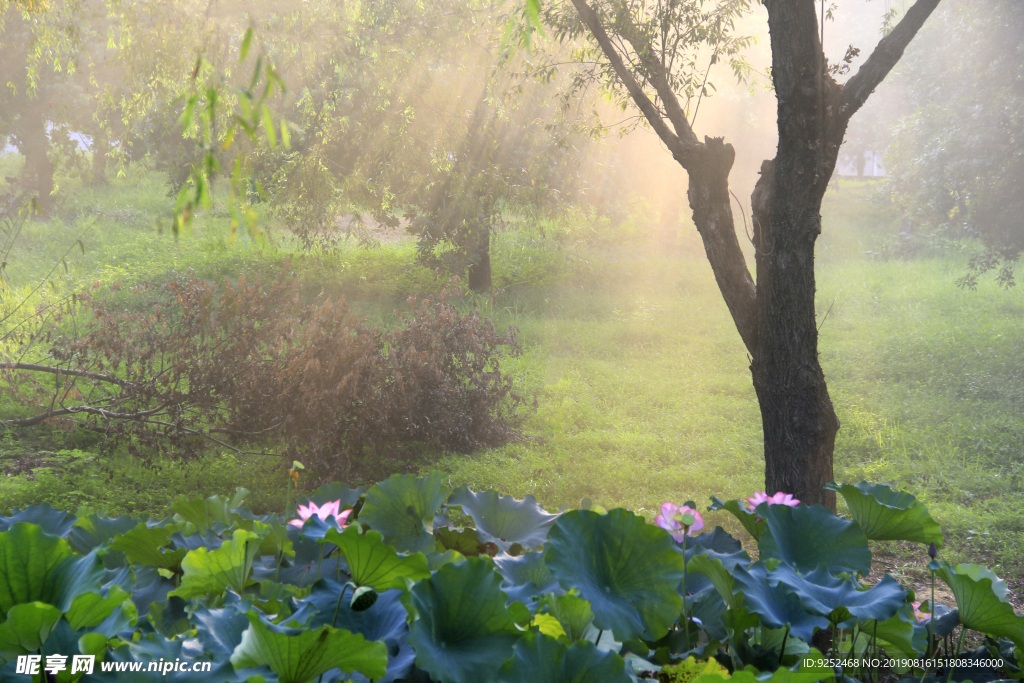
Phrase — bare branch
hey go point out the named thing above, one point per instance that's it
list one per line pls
(62, 371)
(88, 410)
(884, 58)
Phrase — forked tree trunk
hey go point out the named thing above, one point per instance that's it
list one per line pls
(776, 317)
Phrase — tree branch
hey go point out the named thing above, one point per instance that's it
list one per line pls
(62, 371)
(74, 410)
(884, 58)
(680, 149)
(656, 70)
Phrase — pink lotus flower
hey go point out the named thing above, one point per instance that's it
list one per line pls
(672, 517)
(777, 499)
(324, 511)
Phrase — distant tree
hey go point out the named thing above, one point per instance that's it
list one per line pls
(48, 55)
(650, 51)
(957, 160)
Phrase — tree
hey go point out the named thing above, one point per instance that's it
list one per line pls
(47, 55)
(957, 158)
(648, 49)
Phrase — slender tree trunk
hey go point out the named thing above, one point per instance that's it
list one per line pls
(480, 261)
(38, 173)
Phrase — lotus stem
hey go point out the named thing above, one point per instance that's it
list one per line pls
(782, 651)
(959, 644)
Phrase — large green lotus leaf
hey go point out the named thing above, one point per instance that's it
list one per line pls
(463, 541)
(887, 515)
(462, 631)
(721, 578)
(27, 627)
(896, 634)
(54, 522)
(627, 569)
(573, 614)
(371, 563)
(504, 520)
(540, 658)
(839, 599)
(717, 544)
(147, 545)
(208, 573)
(35, 566)
(89, 609)
(807, 536)
(93, 531)
(402, 508)
(777, 605)
(526, 576)
(204, 513)
(981, 599)
(299, 655)
(739, 510)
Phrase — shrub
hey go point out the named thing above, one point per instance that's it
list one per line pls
(172, 365)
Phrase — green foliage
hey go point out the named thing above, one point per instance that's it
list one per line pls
(628, 570)
(887, 515)
(299, 655)
(398, 615)
(956, 160)
(462, 631)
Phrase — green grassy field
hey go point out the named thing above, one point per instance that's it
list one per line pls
(642, 387)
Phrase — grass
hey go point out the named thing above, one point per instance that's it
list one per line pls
(642, 385)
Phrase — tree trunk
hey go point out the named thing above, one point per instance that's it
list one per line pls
(797, 417)
(480, 261)
(38, 173)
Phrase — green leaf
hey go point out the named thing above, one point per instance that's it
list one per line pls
(981, 599)
(246, 43)
(371, 563)
(777, 605)
(807, 673)
(461, 630)
(37, 567)
(539, 658)
(807, 536)
(628, 570)
(898, 632)
(573, 614)
(402, 508)
(268, 124)
(27, 627)
(204, 513)
(739, 510)
(463, 541)
(504, 520)
(838, 598)
(887, 515)
(300, 655)
(89, 609)
(146, 545)
(211, 573)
